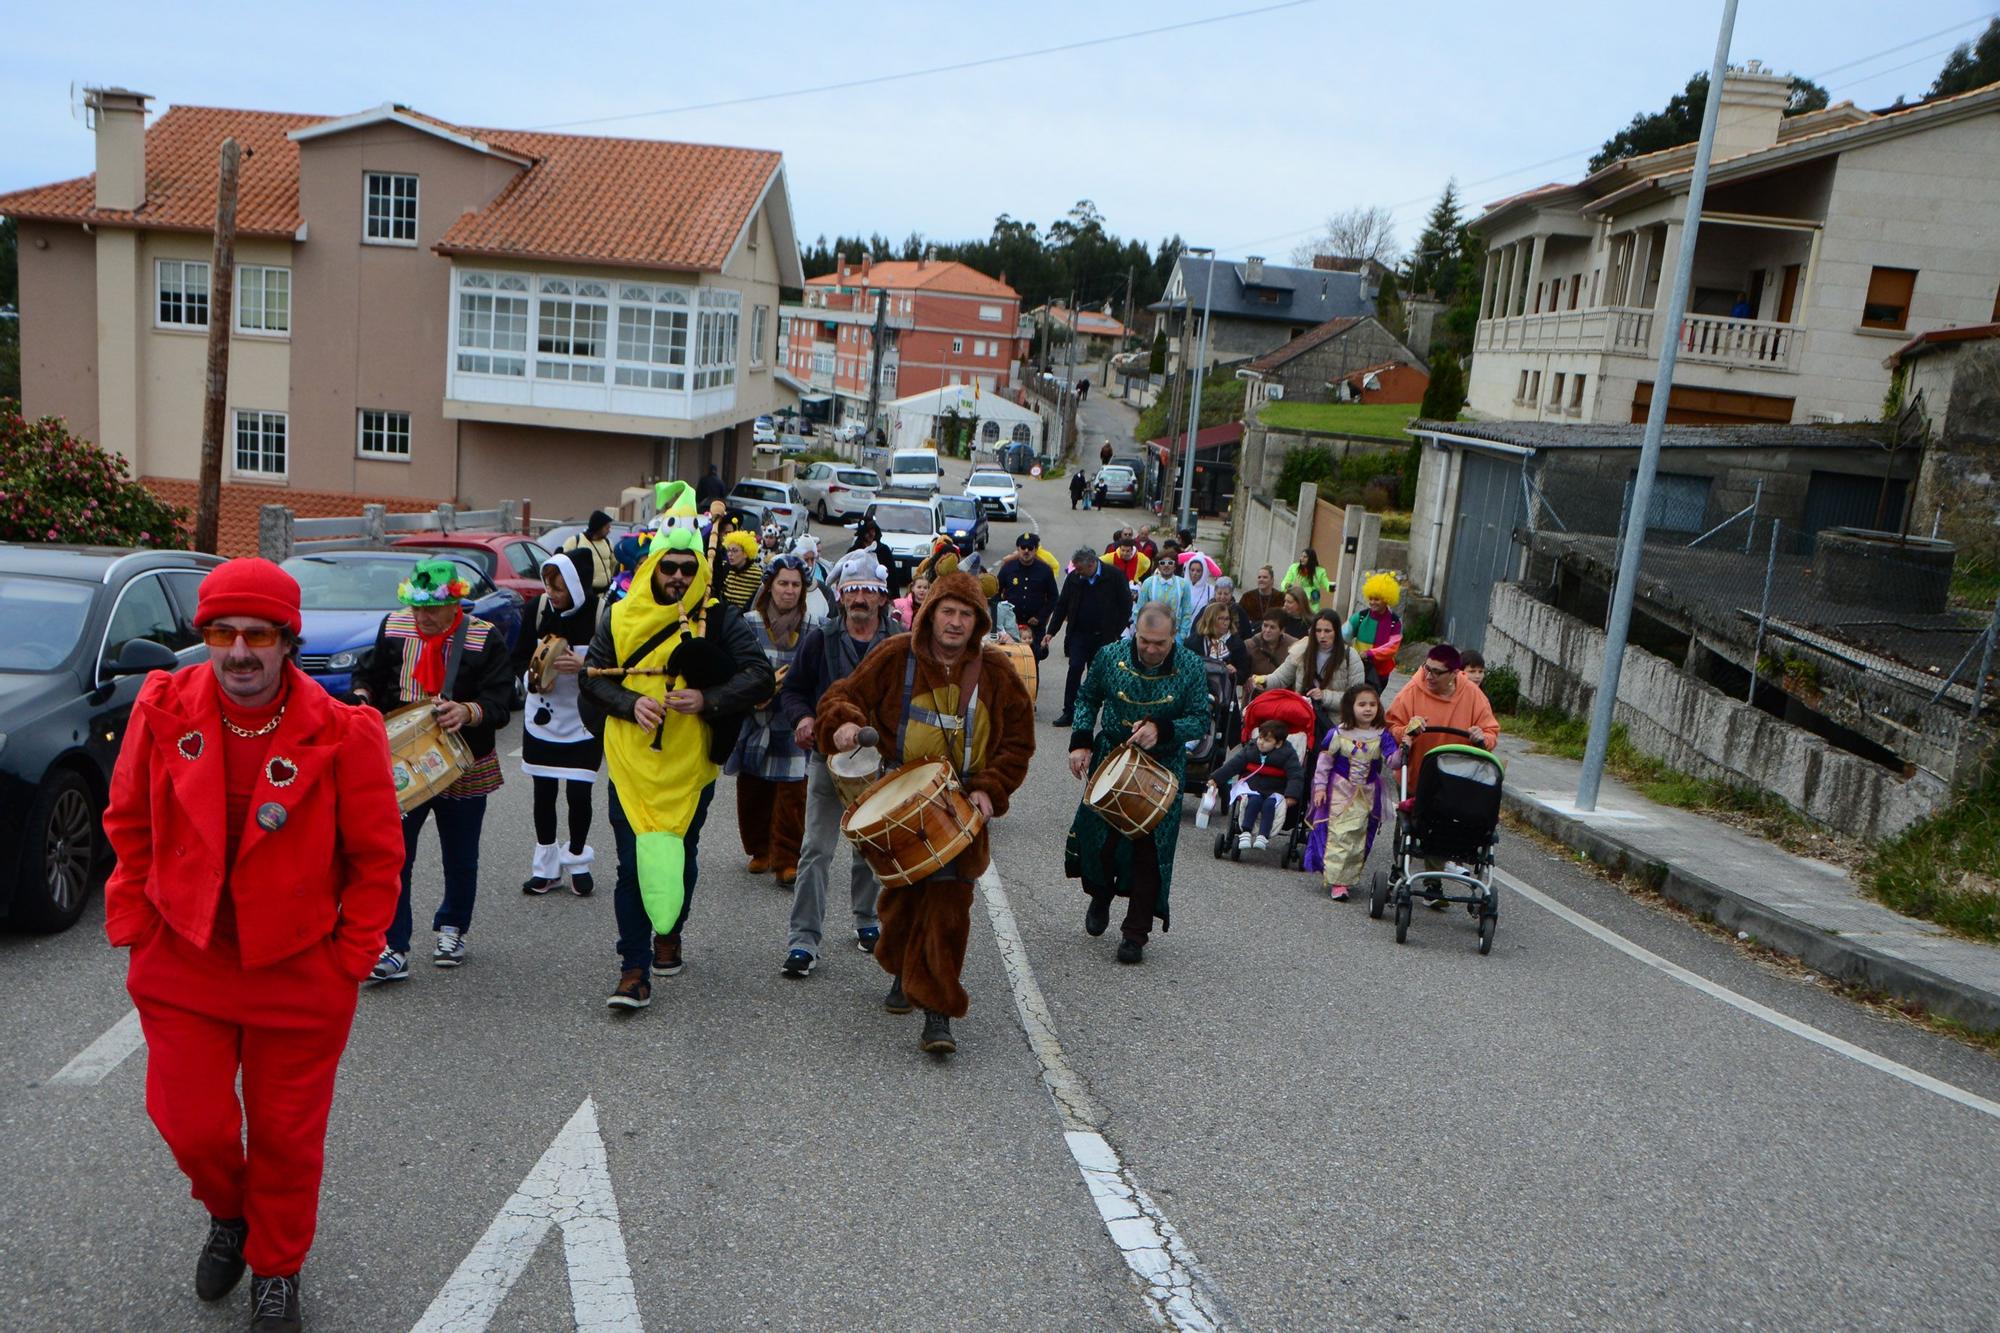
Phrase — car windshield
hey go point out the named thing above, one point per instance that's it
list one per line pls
(914, 463)
(750, 490)
(1116, 475)
(903, 518)
(999, 480)
(958, 506)
(364, 584)
(858, 477)
(45, 619)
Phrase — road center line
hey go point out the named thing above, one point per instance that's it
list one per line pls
(103, 1055)
(1177, 1293)
(1781, 1021)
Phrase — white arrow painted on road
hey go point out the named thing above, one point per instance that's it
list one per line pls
(570, 1188)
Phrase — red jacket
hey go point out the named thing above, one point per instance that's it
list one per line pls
(333, 868)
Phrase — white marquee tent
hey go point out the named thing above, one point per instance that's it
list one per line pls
(914, 420)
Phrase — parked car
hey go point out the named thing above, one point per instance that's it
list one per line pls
(557, 537)
(756, 503)
(84, 625)
(908, 529)
(506, 558)
(343, 596)
(763, 431)
(915, 472)
(849, 432)
(836, 491)
(1120, 483)
(963, 519)
(995, 492)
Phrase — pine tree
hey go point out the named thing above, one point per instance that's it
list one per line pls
(1433, 265)
(1157, 365)
(1445, 394)
(1971, 65)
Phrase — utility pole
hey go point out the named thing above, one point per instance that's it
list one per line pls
(875, 371)
(221, 305)
(1194, 411)
(1618, 624)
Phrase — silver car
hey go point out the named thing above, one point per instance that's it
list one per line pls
(770, 502)
(835, 491)
(996, 493)
(1118, 483)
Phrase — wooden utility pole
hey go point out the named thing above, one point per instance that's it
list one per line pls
(221, 303)
(875, 372)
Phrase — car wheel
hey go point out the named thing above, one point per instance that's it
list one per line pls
(60, 858)
(822, 513)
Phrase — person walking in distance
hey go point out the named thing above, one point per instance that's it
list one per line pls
(556, 750)
(436, 652)
(829, 653)
(1076, 485)
(940, 693)
(595, 559)
(770, 769)
(255, 825)
(1151, 692)
(1096, 604)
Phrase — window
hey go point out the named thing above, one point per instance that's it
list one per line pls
(1534, 386)
(716, 338)
(1521, 391)
(1888, 303)
(263, 299)
(1556, 389)
(385, 434)
(143, 612)
(652, 336)
(493, 323)
(183, 302)
(989, 313)
(760, 320)
(525, 559)
(989, 432)
(391, 212)
(1576, 393)
(957, 345)
(260, 443)
(1021, 433)
(571, 322)
(889, 380)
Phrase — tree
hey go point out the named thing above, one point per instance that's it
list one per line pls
(1433, 265)
(10, 323)
(1356, 233)
(1680, 122)
(1389, 307)
(55, 487)
(1971, 65)
(1445, 395)
(1157, 364)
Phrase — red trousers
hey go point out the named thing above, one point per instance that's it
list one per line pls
(771, 819)
(206, 1019)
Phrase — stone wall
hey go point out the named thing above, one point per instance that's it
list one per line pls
(1697, 729)
(1264, 450)
(1307, 377)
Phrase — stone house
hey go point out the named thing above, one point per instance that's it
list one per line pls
(1951, 385)
(1349, 359)
(1254, 307)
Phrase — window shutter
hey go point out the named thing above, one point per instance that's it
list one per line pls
(1888, 303)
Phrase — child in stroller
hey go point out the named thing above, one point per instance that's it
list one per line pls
(1446, 835)
(1293, 714)
(1264, 778)
(1205, 752)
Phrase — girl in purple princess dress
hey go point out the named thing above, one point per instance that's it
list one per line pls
(1348, 789)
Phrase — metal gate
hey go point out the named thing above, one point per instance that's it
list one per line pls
(1490, 507)
(1844, 500)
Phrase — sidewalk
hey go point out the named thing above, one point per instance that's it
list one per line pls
(1808, 909)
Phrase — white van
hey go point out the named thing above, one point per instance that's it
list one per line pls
(913, 472)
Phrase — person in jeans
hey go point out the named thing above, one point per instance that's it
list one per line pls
(828, 653)
(435, 652)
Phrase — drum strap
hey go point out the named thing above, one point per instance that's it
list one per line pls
(454, 653)
(968, 696)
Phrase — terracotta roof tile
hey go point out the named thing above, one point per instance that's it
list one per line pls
(936, 275)
(236, 525)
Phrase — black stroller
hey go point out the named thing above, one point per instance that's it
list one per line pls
(1455, 817)
(1209, 751)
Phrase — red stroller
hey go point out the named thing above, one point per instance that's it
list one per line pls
(1299, 717)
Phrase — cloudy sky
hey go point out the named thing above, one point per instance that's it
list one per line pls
(1241, 133)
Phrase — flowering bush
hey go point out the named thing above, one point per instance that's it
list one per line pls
(57, 488)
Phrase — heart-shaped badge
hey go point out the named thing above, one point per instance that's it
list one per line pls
(280, 771)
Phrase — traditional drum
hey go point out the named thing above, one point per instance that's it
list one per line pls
(423, 759)
(1132, 791)
(542, 662)
(912, 824)
(1022, 658)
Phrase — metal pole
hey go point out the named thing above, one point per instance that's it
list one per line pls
(1985, 660)
(1763, 612)
(1619, 623)
(1750, 533)
(1194, 412)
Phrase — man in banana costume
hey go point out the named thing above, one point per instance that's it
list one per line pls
(691, 669)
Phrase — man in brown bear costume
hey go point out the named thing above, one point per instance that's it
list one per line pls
(938, 692)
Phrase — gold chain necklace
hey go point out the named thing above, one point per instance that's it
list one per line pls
(264, 730)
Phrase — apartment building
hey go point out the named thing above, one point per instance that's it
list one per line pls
(1827, 240)
(421, 309)
(943, 323)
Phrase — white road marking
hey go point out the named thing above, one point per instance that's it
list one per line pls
(569, 1187)
(103, 1055)
(1177, 1293)
(1781, 1021)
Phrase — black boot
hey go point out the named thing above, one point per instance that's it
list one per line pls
(220, 1266)
(895, 1001)
(536, 885)
(937, 1034)
(1131, 951)
(1098, 916)
(274, 1304)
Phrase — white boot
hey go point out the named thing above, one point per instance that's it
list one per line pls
(545, 870)
(578, 865)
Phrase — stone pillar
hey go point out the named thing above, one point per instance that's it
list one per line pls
(1516, 274)
(374, 525)
(274, 533)
(447, 517)
(1302, 526)
(1487, 281)
(1364, 562)
(1350, 551)
(1535, 264)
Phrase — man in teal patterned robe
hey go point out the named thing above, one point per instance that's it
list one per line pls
(1149, 690)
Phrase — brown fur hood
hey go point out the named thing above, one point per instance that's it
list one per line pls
(961, 587)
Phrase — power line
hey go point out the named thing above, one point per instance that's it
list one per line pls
(1891, 50)
(984, 61)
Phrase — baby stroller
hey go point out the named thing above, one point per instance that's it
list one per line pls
(1297, 714)
(1210, 750)
(1455, 816)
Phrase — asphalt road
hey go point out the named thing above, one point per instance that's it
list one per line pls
(1342, 1132)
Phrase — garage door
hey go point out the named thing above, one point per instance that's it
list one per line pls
(1490, 507)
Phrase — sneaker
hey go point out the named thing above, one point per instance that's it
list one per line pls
(1243, 841)
(867, 937)
(1131, 951)
(895, 1001)
(391, 966)
(936, 1038)
(633, 990)
(220, 1266)
(274, 1304)
(1261, 842)
(450, 950)
(1435, 904)
(667, 961)
(1097, 916)
(759, 864)
(536, 885)
(1339, 893)
(581, 884)
(798, 964)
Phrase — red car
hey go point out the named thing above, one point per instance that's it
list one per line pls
(508, 558)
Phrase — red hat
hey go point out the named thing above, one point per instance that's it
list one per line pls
(249, 587)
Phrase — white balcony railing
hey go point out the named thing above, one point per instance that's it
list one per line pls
(1757, 343)
(1629, 331)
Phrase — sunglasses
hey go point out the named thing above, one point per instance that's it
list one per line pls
(685, 568)
(225, 636)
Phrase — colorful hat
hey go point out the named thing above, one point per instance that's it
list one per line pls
(678, 523)
(1383, 586)
(434, 583)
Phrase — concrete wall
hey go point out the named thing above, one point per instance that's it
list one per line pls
(1960, 386)
(1263, 452)
(1697, 729)
(567, 473)
(58, 268)
(1263, 535)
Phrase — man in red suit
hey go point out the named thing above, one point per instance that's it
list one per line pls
(259, 847)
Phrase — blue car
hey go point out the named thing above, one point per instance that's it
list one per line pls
(344, 595)
(963, 519)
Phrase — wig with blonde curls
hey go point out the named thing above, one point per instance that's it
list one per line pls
(1383, 586)
(743, 541)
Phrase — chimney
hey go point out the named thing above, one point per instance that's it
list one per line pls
(119, 117)
(840, 261)
(1253, 270)
(1753, 103)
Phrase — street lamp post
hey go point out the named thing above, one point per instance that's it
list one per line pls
(1194, 409)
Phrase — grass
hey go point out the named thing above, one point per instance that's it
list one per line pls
(1396, 524)
(1379, 420)
(1944, 869)
(1974, 583)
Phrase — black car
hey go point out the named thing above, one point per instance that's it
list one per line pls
(84, 625)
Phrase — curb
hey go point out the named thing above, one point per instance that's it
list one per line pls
(1831, 955)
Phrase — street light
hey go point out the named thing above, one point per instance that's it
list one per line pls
(1194, 409)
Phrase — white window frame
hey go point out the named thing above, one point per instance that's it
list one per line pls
(368, 179)
(492, 288)
(666, 308)
(992, 314)
(958, 346)
(760, 326)
(264, 276)
(385, 428)
(182, 292)
(263, 422)
(718, 329)
(561, 326)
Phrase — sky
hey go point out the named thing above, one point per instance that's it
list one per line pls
(1243, 133)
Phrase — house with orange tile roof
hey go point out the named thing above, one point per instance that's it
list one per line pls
(1827, 239)
(422, 310)
(1098, 330)
(941, 323)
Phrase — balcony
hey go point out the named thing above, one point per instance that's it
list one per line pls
(1749, 344)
